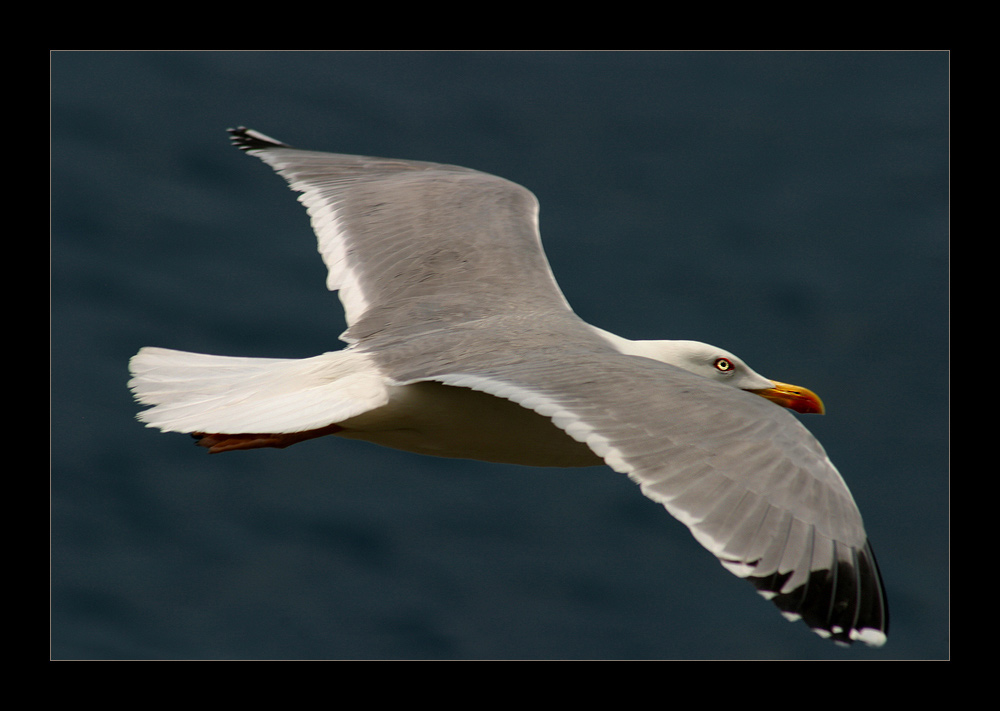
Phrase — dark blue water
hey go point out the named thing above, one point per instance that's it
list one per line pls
(791, 207)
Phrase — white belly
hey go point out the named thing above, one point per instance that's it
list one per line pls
(445, 421)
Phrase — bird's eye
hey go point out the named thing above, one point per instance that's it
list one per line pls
(724, 365)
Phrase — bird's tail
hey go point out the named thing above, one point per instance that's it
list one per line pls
(230, 402)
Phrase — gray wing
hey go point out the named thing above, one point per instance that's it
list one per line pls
(750, 482)
(413, 245)
(443, 278)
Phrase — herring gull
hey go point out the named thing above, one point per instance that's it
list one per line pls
(461, 344)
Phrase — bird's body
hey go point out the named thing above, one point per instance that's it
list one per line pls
(460, 344)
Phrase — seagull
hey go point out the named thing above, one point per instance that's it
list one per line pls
(459, 343)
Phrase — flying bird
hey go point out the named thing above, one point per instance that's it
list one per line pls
(461, 344)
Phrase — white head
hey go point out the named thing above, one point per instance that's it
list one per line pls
(721, 366)
(704, 360)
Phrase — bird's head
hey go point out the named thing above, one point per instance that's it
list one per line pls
(723, 367)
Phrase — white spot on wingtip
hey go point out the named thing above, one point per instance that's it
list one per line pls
(871, 637)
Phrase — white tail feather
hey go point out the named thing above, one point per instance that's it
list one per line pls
(193, 392)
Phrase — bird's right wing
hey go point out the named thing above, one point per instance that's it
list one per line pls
(414, 245)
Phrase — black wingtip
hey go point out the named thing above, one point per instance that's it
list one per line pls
(246, 139)
(846, 604)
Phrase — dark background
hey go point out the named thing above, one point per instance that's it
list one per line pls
(792, 207)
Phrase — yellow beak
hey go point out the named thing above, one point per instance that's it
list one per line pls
(793, 397)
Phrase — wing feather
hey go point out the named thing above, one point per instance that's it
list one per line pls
(437, 267)
(764, 498)
(413, 245)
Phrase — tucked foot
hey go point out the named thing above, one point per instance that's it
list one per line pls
(224, 442)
